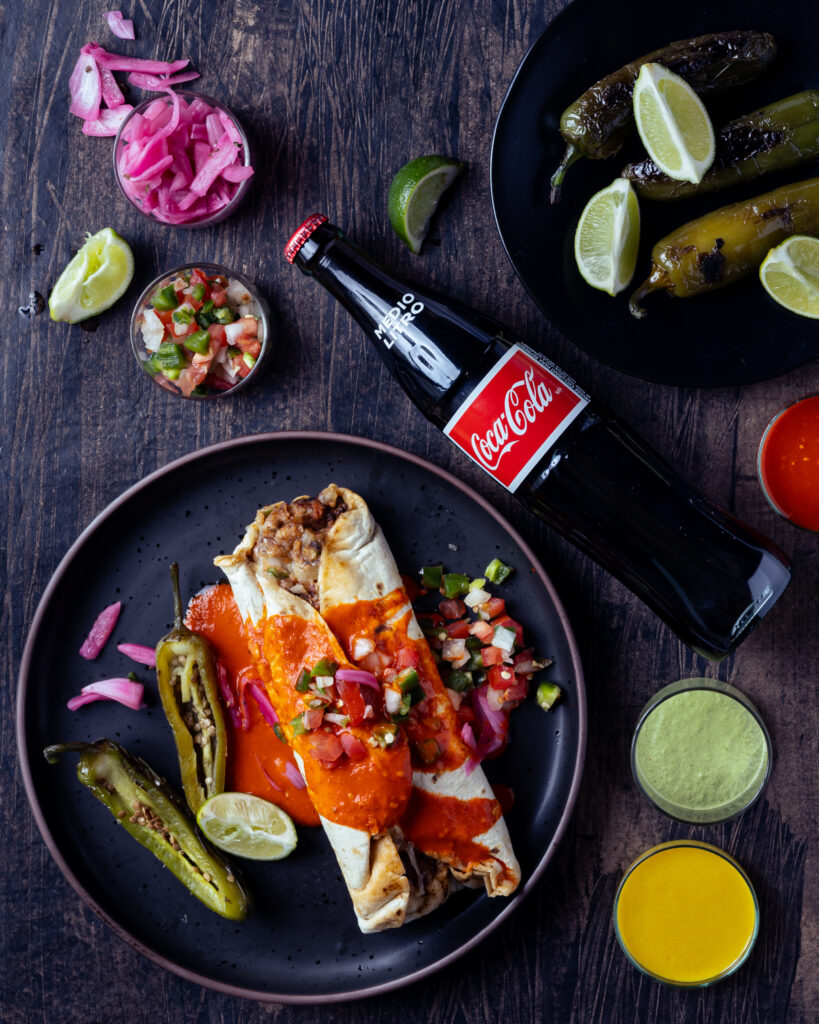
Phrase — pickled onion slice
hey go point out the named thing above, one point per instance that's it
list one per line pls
(103, 627)
(85, 87)
(160, 83)
(124, 691)
(108, 122)
(119, 62)
(140, 653)
(123, 28)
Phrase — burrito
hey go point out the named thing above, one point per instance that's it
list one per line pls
(324, 562)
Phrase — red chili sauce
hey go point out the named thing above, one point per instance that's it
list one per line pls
(789, 463)
(433, 720)
(257, 758)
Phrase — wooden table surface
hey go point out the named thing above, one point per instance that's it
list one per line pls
(337, 95)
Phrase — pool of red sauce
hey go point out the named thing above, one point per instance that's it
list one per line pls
(444, 826)
(256, 757)
(789, 463)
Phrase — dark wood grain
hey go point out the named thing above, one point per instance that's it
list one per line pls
(336, 96)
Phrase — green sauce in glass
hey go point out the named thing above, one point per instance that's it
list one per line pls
(700, 752)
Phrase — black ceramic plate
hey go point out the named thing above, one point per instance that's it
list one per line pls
(733, 336)
(301, 944)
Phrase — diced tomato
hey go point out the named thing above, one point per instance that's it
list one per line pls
(407, 657)
(517, 690)
(491, 656)
(350, 695)
(482, 630)
(459, 629)
(501, 677)
(507, 623)
(192, 376)
(504, 796)
(453, 608)
(412, 587)
(250, 345)
(218, 296)
(313, 718)
(352, 746)
(326, 746)
(165, 315)
(494, 606)
(197, 277)
(217, 335)
(524, 662)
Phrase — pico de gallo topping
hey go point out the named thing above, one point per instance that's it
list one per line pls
(482, 654)
(202, 333)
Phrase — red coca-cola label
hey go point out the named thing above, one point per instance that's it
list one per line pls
(515, 414)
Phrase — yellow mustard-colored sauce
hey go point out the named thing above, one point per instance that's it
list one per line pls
(686, 913)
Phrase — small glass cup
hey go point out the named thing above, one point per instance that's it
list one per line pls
(241, 187)
(788, 463)
(700, 753)
(261, 311)
(686, 914)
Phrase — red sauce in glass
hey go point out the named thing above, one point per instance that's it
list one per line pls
(789, 463)
(434, 718)
(445, 827)
(257, 758)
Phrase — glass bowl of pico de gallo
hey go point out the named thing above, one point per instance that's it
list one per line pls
(201, 331)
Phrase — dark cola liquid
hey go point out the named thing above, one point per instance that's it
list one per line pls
(707, 575)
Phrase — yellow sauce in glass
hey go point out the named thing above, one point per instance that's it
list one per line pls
(686, 913)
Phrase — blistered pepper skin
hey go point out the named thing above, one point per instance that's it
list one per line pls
(775, 138)
(146, 806)
(189, 691)
(728, 244)
(598, 123)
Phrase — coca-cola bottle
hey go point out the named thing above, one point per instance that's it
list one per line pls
(535, 432)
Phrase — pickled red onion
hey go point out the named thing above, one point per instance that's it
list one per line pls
(293, 774)
(85, 87)
(358, 675)
(124, 691)
(103, 627)
(140, 653)
(108, 123)
(123, 28)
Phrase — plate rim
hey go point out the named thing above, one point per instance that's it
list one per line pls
(202, 454)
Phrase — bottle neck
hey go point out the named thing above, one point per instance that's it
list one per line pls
(433, 346)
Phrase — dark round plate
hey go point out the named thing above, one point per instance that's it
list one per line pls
(301, 944)
(733, 336)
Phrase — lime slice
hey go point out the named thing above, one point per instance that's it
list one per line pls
(790, 274)
(94, 280)
(673, 124)
(607, 237)
(415, 193)
(247, 826)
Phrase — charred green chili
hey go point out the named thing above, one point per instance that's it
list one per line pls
(598, 123)
(146, 806)
(189, 690)
(730, 243)
(781, 135)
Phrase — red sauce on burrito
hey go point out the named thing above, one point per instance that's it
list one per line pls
(445, 826)
(257, 758)
(432, 724)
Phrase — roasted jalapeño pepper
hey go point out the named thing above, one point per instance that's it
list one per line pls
(189, 691)
(598, 123)
(156, 817)
(729, 243)
(781, 135)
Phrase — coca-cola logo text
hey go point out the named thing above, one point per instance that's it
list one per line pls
(517, 416)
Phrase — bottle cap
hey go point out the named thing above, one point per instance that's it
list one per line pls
(301, 234)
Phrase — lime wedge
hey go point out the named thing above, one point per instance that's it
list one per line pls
(790, 274)
(673, 124)
(607, 237)
(247, 826)
(415, 193)
(94, 280)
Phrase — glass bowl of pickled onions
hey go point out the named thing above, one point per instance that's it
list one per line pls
(183, 159)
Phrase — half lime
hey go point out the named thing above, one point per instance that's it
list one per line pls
(247, 826)
(94, 279)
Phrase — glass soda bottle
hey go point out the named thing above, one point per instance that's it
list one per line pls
(566, 457)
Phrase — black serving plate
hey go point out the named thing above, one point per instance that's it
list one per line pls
(733, 336)
(301, 943)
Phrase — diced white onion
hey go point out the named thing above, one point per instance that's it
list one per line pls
(324, 681)
(392, 700)
(153, 330)
(504, 638)
(362, 647)
(476, 597)
(331, 716)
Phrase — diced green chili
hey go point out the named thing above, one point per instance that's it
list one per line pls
(233, 351)
(224, 315)
(169, 356)
(298, 726)
(455, 584)
(165, 299)
(189, 690)
(198, 342)
(431, 576)
(324, 667)
(249, 360)
(154, 814)
(385, 735)
(183, 315)
(303, 682)
(547, 694)
(460, 681)
(198, 292)
(497, 571)
(408, 680)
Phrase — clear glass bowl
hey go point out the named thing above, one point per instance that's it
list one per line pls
(686, 914)
(700, 753)
(260, 310)
(245, 158)
(790, 482)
